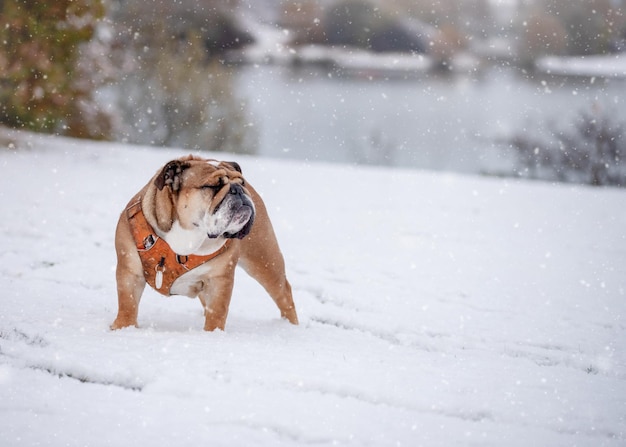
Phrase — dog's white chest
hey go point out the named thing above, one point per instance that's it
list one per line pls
(191, 283)
(184, 242)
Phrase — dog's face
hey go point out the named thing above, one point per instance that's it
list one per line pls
(204, 195)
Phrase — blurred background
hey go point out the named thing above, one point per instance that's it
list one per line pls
(520, 88)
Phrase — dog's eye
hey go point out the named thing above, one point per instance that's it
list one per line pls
(220, 185)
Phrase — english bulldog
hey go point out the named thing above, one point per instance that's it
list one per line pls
(186, 231)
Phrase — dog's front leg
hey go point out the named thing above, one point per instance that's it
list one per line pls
(129, 290)
(129, 276)
(215, 298)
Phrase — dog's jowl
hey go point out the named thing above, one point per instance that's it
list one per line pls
(186, 231)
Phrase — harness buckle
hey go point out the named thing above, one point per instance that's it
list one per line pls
(148, 242)
(158, 278)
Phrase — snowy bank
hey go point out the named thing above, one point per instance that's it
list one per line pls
(274, 46)
(436, 310)
(608, 66)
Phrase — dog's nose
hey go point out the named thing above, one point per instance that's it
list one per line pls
(235, 189)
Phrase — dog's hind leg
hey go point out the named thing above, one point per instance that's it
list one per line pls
(261, 258)
(269, 270)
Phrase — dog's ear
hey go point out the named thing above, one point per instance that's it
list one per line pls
(168, 183)
(171, 175)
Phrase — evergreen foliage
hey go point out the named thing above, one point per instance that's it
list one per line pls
(42, 86)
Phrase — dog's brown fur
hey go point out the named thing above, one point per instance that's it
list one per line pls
(169, 200)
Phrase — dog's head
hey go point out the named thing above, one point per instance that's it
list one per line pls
(204, 195)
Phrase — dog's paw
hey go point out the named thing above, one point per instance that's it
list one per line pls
(120, 323)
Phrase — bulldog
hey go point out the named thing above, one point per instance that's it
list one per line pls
(186, 231)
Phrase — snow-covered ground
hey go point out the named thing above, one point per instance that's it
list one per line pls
(435, 309)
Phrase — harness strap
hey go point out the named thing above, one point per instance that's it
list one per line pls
(161, 266)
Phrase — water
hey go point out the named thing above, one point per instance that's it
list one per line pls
(430, 122)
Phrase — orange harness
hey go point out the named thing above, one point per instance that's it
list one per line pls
(161, 266)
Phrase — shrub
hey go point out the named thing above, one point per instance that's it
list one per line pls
(592, 150)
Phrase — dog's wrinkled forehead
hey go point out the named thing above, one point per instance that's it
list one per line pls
(199, 172)
(219, 174)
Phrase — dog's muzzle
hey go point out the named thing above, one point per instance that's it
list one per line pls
(240, 209)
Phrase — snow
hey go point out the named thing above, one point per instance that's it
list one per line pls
(435, 309)
(610, 66)
(355, 60)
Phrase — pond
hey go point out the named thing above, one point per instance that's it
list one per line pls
(451, 122)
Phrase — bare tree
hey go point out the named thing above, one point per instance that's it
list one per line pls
(173, 94)
(589, 25)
